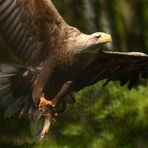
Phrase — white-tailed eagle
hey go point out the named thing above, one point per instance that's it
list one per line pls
(58, 59)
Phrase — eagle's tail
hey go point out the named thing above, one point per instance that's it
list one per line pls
(13, 97)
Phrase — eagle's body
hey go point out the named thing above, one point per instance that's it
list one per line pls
(58, 59)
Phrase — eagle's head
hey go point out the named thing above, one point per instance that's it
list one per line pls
(80, 42)
(95, 40)
(99, 38)
(88, 43)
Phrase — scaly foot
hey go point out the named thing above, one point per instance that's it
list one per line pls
(44, 102)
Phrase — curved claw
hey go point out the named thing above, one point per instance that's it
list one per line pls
(41, 136)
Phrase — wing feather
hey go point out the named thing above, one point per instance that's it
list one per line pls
(31, 28)
(126, 67)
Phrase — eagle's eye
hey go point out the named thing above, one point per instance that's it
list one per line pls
(98, 36)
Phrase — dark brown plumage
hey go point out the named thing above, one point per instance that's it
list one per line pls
(58, 59)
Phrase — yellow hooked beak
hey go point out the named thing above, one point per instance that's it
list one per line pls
(104, 38)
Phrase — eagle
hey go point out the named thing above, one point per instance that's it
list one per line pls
(56, 60)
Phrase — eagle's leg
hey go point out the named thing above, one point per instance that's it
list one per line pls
(48, 108)
(66, 87)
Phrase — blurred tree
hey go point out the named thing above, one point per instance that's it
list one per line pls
(101, 117)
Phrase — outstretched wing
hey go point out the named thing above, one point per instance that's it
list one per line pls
(126, 67)
(31, 28)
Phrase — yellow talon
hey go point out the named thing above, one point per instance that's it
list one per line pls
(44, 102)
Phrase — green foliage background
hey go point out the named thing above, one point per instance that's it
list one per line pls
(110, 117)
